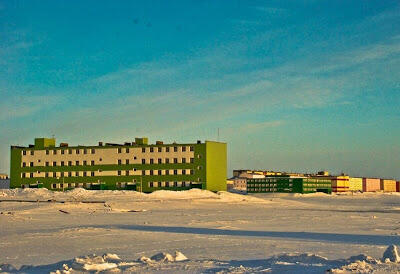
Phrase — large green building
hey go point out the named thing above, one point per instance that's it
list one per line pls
(135, 166)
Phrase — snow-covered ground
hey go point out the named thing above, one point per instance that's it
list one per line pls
(196, 231)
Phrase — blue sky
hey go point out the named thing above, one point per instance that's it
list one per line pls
(292, 85)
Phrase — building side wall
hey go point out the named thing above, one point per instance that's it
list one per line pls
(388, 185)
(355, 184)
(216, 166)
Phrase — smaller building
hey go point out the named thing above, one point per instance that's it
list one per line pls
(4, 181)
(388, 185)
(288, 185)
(371, 184)
(355, 184)
(238, 184)
(339, 183)
(397, 186)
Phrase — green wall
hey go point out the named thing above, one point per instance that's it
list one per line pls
(216, 166)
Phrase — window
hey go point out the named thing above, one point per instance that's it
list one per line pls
(53, 185)
(191, 160)
(143, 161)
(127, 161)
(84, 174)
(143, 149)
(46, 174)
(62, 174)
(77, 163)
(175, 172)
(159, 160)
(69, 174)
(54, 152)
(69, 163)
(69, 151)
(175, 184)
(167, 172)
(31, 175)
(127, 173)
(85, 163)
(24, 152)
(191, 172)
(175, 149)
(166, 184)
(77, 151)
(167, 160)
(183, 160)
(100, 159)
(167, 149)
(92, 162)
(159, 149)
(85, 151)
(24, 164)
(23, 175)
(151, 149)
(120, 162)
(32, 152)
(76, 173)
(175, 160)
(62, 163)
(151, 161)
(31, 164)
(127, 150)
(183, 184)
(119, 172)
(183, 149)
(62, 151)
(191, 148)
(93, 151)
(54, 174)
(151, 172)
(134, 158)
(92, 173)
(143, 172)
(151, 184)
(119, 150)
(184, 171)
(47, 152)
(54, 163)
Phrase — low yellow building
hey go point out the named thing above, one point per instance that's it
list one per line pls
(355, 184)
(388, 185)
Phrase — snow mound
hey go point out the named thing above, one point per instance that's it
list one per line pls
(163, 257)
(179, 257)
(185, 194)
(391, 254)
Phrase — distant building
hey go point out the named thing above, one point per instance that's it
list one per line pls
(4, 181)
(138, 165)
(288, 185)
(239, 184)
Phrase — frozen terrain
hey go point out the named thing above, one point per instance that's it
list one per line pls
(197, 232)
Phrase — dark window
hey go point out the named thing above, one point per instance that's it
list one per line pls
(92, 162)
(167, 172)
(69, 163)
(183, 149)
(119, 172)
(92, 173)
(32, 152)
(77, 163)
(54, 174)
(167, 160)
(85, 151)
(191, 172)
(159, 160)
(23, 175)
(119, 150)
(31, 164)
(151, 184)
(77, 173)
(175, 160)
(54, 186)
(175, 172)
(143, 161)
(31, 175)
(151, 149)
(24, 164)
(84, 174)
(69, 174)
(159, 149)
(175, 149)
(191, 148)
(127, 172)
(151, 172)
(191, 160)
(47, 152)
(62, 174)
(183, 160)
(184, 184)
(54, 152)
(84, 163)
(46, 174)
(175, 184)
(134, 157)
(151, 161)
(24, 152)
(167, 149)
(62, 151)
(120, 162)
(93, 151)
(62, 163)
(77, 151)
(184, 171)
(54, 163)
(100, 159)
(127, 150)
(166, 184)
(143, 149)
(69, 151)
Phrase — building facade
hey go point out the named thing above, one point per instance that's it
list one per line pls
(4, 181)
(137, 166)
(288, 185)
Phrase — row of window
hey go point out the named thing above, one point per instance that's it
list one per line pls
(169, 184)
(262, 189)
(119, 173)
(120, 162)
(120, 150)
